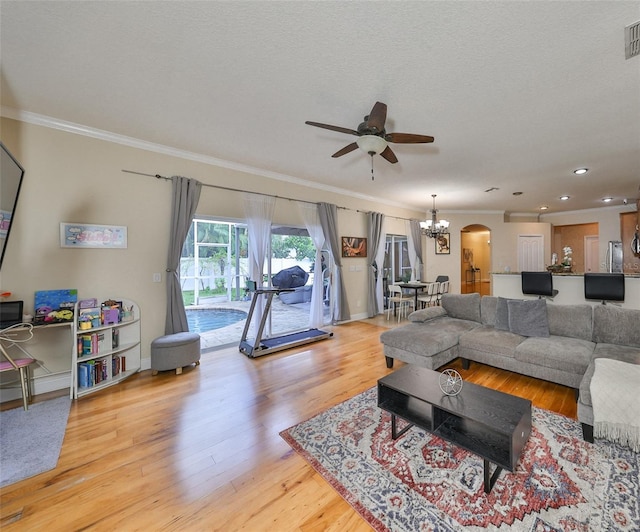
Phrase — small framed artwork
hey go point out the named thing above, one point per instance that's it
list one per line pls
(467, 255)
(443, 244)
(74, 235)
(354, 246)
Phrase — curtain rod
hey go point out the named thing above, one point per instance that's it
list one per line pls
(158, 176)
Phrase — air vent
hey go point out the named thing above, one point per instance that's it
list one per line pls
(632, 40)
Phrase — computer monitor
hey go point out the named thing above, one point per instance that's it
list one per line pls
(10, 313)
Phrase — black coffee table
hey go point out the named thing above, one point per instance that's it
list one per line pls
(491, 424)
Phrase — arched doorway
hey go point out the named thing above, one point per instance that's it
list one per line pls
(475, 259)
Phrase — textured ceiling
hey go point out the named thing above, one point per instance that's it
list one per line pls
(516, 94)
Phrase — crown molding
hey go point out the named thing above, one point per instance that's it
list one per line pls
(100, 134)
(614, 208)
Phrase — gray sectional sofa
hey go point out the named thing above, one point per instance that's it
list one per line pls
(557, 343)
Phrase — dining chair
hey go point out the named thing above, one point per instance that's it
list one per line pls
(442, 289)
(403, 302)
(429, 296)
(12, 337)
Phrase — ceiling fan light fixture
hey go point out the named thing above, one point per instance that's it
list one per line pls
(371, 144)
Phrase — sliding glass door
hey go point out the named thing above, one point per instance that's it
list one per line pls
(214, 273)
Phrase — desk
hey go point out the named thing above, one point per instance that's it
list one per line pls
(52, 346)
(415, 287)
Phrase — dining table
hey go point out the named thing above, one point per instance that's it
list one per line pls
(416, 286)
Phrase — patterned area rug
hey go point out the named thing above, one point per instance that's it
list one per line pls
(420, 482)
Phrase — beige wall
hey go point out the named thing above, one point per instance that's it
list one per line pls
(76, 178)
(607, 220)
(503, 248)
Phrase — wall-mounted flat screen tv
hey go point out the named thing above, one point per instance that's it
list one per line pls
(11, 174)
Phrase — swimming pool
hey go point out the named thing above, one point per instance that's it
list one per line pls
(209, 319)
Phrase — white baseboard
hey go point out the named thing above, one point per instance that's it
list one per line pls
(41, 384)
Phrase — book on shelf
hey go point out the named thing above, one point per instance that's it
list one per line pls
(110, 315)
(84, 375)
(92, 372)
(89, 318)
(93, 343)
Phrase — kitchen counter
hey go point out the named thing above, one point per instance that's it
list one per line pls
(570, 288)
(566, 274)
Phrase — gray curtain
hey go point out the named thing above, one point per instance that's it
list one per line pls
(416, 235)
(186, 193)
(374, 232)
(329, 222)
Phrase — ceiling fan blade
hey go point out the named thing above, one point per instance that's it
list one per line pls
(345, 150)
(333, 128)
(389, 155)
(377, 117)
(407, 138)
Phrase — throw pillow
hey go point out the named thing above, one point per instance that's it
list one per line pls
(502, 314)
(462, 306)
(528, 317)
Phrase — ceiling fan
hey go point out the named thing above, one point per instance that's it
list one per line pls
(372, 137)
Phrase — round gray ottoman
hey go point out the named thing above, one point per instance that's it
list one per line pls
(174, 351)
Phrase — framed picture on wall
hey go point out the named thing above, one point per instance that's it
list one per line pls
(74, 235)
(443, 244)
(467, 255)
(354, 246)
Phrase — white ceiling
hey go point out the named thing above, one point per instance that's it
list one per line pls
(516, 94)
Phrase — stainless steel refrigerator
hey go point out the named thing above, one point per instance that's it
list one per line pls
(614, 256)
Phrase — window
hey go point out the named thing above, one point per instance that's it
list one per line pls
(214, 262)
(397, 267)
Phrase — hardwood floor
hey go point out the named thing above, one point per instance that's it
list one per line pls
(201, 450)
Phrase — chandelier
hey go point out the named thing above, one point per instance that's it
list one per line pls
(433, 228)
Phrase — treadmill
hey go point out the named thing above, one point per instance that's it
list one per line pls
(263, 346)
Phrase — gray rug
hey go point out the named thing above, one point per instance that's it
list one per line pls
(30, 441)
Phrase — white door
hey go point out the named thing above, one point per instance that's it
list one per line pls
(591, 253)
(530, 253)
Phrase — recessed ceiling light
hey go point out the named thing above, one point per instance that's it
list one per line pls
(544, 208)
(607, 200)
(581, 171)
(517, 193)
(564, 198)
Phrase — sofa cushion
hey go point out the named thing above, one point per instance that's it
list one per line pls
(462, 306)
(574, 321)
(490, 340)
(427, 339)
(528, 317)
(502, 314)
(616, 325)
(488, 310)
(572, 355)
(618, 352)
(426, 314)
